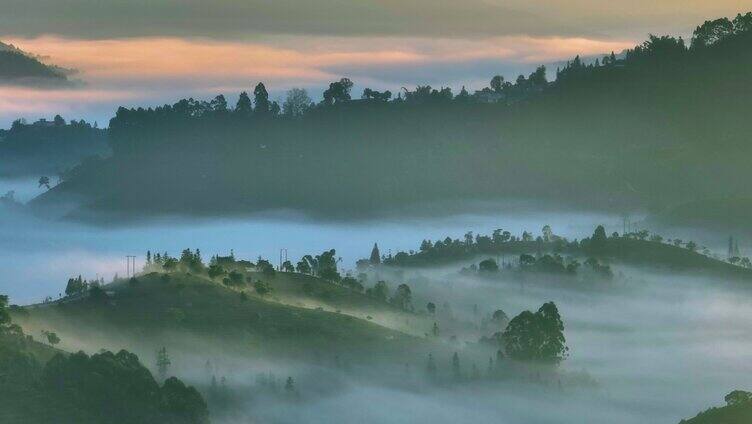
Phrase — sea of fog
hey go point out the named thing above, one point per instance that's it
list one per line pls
(660, 347)
(39, 255)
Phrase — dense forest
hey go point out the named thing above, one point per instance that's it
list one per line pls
(40, 384)
(675, 114)
(49, 148)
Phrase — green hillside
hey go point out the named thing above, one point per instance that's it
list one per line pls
(639, 248)
(41, 384)
(188, 312)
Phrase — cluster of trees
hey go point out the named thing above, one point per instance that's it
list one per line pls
(78, 287)
(105, 387)
(537, 337)
(545, 263)
(117, 387)
(323, 265)
(233, 273)
(49, 147)
(545, 252)
(530, 337)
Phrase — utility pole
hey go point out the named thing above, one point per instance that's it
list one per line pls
(282, 258)
(130, 266)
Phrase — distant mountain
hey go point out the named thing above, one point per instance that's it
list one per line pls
(20, 68)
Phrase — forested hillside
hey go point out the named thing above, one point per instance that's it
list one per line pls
(664, 125)
(49, 148)
(18, 67)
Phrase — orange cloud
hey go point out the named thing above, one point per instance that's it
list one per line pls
(289, 60)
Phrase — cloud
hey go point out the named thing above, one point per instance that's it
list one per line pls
(427, 18)
(158, 70)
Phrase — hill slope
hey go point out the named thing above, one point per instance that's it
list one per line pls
(662, 126)
(190, 314)
(20, 68)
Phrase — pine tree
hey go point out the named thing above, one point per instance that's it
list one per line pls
(244, 106)
(375, 255)
(261, 99)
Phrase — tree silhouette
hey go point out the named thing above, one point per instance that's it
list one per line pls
(261, 99)
(244, 106)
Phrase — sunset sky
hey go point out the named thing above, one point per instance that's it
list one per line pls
(149, 52)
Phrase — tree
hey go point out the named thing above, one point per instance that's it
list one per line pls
(548, 234)
(297, 102)
(265, 267)
(403, 297)
(287, 266)
(215, 271)
(369, 94)
(244, 106)
(183, 404)
(537, 337)
(488, 266)
(261, 288)
(738, 397)
(52, 338)
(380, 291)
(76, 286)
(261, 99)
(303, 267)
(58, 121)
(375, 255)
(431, 308)
(497, 83)
(338, 92)
(163, 362)
(598, 241)
(712, 32)
(325, 265)
(219, 104)
(116, 388)
(743, 23)
(44, 182)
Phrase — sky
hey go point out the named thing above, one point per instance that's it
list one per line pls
(152, 52)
